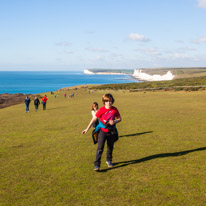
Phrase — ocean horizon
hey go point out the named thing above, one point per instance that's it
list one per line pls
(35, 82)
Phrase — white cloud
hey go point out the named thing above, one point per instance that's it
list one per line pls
(185, 49)
(179, 50)
(149, 51)
(180, 56)
(185, 57)
(97, 50)
(116, 55)
(97, 59)
(91, 32)
(202, 4)
(200, 40)
(63, 44)
(68, 51)
(138, 37)
(179, 41)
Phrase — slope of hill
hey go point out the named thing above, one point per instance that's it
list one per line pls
(158, 160)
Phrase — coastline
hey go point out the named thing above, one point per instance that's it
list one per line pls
(137, 75)
(41, 82)
(8, 99)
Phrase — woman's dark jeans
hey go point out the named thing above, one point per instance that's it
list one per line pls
(36, 106)
(27, 107)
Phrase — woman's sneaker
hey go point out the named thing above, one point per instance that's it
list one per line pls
(109, 163)
(96, 168)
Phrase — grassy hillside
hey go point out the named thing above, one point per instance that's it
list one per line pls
(159, 158)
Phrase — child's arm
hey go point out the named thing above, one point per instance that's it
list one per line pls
(90, 124)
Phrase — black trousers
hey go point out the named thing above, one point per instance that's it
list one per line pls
(102, 137)
(44, 105)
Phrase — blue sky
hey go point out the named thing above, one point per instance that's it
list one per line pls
(77, 34)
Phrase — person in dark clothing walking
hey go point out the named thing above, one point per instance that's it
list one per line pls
(110, 116)
(27, 102)
(36, 103)
(44, 100)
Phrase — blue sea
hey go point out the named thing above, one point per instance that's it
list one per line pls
(38, 82)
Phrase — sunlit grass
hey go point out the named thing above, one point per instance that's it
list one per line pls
(159, 158)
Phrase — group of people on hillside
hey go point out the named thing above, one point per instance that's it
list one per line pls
(104, 122)
(36, 103)
(69, 96)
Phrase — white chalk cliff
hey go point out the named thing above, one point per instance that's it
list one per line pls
(86, 71)
(144, 76)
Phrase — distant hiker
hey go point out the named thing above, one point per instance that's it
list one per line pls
(36, 103)
(71, 96)
(108, 116)
(44, 100)
(65, 95)
(94, 110)
(27, 102)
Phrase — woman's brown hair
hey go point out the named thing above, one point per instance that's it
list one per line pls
(95, 104)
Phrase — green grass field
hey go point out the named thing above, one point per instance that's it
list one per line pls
(159, 158)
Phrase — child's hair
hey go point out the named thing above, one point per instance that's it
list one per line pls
(95, 104)
(107, 97)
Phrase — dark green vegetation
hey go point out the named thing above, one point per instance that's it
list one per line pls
(159, 158)
(188, 84)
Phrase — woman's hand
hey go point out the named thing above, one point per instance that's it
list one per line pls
(85, 131)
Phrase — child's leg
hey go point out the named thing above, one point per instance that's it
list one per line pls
(100, 147)
(110, 146)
